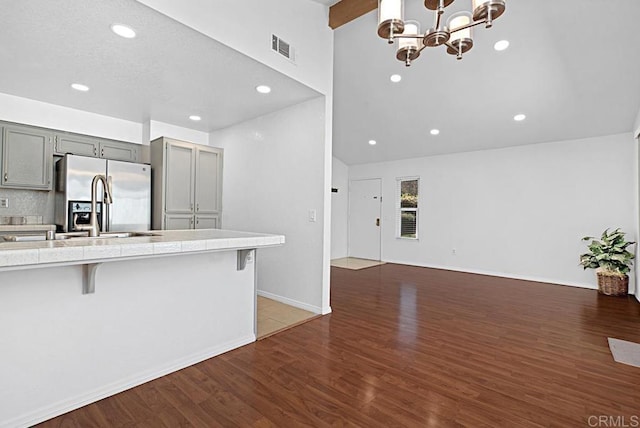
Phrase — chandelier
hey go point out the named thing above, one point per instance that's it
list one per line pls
(455, 35)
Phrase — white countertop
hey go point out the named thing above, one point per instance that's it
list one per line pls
(91, 250)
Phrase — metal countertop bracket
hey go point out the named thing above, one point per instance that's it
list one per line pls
(89, 277)
(244, 257)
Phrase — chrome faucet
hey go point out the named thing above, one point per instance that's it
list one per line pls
(94, 227)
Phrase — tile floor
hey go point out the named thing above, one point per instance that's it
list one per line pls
(354, 263)
(274, 317)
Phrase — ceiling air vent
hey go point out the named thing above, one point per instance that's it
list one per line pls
(283, 48)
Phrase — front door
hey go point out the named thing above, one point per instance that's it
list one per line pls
(365, 202)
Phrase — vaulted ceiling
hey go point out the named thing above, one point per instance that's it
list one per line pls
(572, 67)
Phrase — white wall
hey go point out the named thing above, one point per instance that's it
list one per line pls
(339, 209)
(247, 26)
(517, 212)
(273, 175)
(37, 113)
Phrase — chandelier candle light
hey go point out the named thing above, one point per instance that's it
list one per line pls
(456, 35)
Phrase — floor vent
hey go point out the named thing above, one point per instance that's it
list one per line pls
(283, 48)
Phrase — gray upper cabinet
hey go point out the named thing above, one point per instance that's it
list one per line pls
(27, 157)
(82, 145)
(208, 165)
(116, 150)
(179, 178)
(187, 181)
(26, 153)
(76, 145)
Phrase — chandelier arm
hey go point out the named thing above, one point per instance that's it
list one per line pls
(464, 27)
(453, 30)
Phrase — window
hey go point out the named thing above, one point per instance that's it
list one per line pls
(408, 208)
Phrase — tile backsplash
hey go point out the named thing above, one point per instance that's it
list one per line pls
(29, 203)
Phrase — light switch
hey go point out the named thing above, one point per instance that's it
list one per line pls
(312, 215)
(4, 202)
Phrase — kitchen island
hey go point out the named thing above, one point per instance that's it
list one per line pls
(85, 318)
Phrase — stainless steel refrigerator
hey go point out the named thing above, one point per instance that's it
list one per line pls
(131, 192)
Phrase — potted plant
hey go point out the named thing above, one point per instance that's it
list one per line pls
(610, 258)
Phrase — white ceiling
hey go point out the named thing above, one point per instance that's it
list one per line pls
(573, 68)
(166, 73)
(573, 72)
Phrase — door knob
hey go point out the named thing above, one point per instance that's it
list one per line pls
(377, 222)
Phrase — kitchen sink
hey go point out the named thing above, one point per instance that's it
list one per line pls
(75, 236)
(103, 235)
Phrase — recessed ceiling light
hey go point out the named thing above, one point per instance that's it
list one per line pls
(80, 87)
(372, 142)
(263, 89)
(434, 131)
(123, 31)
(519, 117)
(501, 45)
(395, 78)
(195, 118)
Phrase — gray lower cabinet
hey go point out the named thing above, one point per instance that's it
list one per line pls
(27, 157)
(207, 222)
(178, 221)
(187, 221)
(187, 181)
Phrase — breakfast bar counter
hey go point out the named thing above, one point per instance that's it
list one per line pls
(21, 255)
(85, 318)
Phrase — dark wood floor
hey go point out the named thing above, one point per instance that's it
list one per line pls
(408, 346)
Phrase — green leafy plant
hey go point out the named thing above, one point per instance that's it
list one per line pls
(609, 254)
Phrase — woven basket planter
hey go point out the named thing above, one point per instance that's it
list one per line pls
(613, 285)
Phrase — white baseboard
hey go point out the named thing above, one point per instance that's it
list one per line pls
(291, 302)
(59, 408)
(507, 275)
(499, 274)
